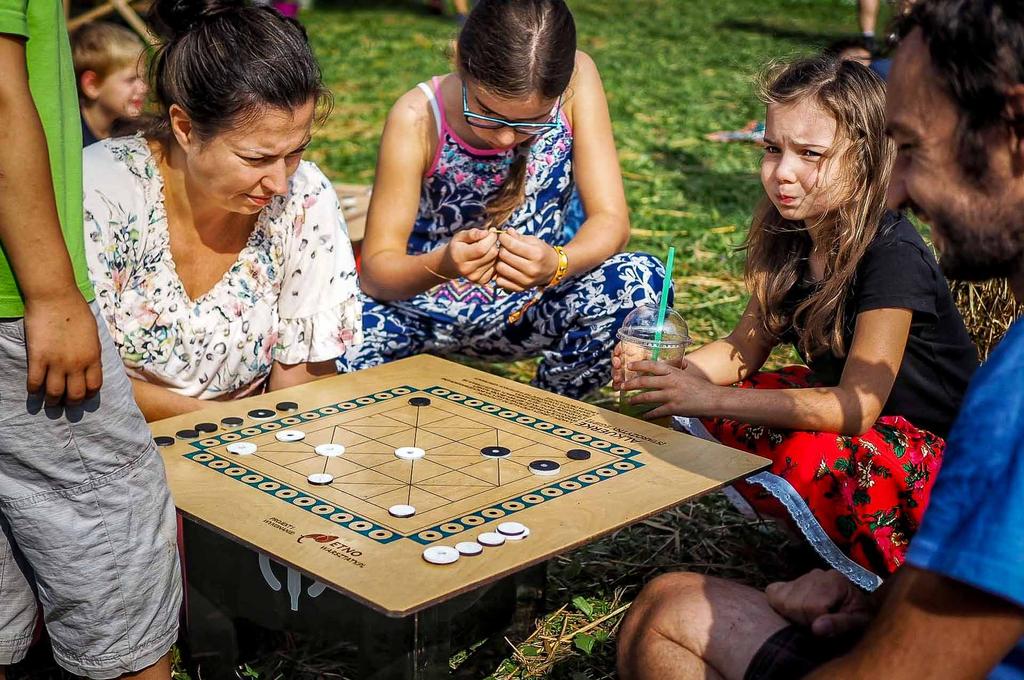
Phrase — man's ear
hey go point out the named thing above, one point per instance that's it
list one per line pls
(89, 83)
(1015, 120)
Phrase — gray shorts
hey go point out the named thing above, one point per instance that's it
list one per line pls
(86, 524)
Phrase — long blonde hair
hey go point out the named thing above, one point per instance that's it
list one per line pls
(778, 248)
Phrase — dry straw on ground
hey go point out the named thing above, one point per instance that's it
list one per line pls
(988, 309)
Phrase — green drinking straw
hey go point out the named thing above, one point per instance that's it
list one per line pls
(663, 306)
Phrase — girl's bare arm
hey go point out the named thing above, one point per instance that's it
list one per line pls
(736, 356)
(596, 170)
(850, 408)
(388, 272)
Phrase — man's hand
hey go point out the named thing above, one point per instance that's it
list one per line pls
(471, 254)
(63, 348)
(677, 391)
(824, 601)
(524, 262)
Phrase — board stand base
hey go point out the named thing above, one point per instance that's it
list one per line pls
(227, 595)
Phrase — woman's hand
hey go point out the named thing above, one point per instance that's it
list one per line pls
(524, 262)
(678, 391)
(471, 254)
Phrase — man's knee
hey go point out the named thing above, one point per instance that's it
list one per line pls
(662, 598)
(662, 611)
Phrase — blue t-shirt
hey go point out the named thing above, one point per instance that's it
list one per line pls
(973, 531)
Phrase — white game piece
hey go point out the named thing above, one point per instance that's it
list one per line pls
(440, 554)
(402, 510)
(469, 548)
(320, 478)
(490, 539)
(410, 452)
(519, 537)
(330, 450)
(242, 448)
(290, 436)
(511, 528)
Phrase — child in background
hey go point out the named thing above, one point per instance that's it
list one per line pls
(857, 434)
(109, 65)
(466, 249)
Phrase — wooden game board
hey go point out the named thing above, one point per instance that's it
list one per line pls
(342, 535)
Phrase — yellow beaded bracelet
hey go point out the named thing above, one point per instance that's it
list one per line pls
(562, 269)
(560, 272)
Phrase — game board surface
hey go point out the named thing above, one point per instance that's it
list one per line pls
(477, 434)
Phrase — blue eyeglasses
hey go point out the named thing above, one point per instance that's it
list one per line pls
(488, 123)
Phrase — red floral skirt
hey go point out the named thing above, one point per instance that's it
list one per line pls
(869, 493)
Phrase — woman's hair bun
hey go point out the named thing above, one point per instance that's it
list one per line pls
(173, 18)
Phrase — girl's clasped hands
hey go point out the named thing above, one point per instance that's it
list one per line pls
(513, 261)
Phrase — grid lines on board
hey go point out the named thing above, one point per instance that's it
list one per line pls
(453, 487)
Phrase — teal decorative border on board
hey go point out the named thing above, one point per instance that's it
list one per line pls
(572, 436)
(300, 499)
(353, 522)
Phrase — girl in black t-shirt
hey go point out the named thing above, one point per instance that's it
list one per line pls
(857, 433)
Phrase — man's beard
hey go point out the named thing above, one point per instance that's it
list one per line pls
(993, 251)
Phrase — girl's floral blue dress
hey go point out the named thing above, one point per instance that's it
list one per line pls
(572, 328)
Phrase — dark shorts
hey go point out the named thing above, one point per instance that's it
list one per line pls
(794, 652)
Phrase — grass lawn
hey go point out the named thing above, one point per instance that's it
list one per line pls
(673, 70)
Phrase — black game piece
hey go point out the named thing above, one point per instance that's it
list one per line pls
(544, 465)
(186, 434)
(231, 421)
(495, 452)
(419, 401)
(262, 413)
(287, 406)
(163, 441)
(578, 454)
(205, 427)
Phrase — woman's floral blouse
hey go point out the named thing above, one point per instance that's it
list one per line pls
(290, 296)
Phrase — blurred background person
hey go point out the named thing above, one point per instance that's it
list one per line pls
(109, 69)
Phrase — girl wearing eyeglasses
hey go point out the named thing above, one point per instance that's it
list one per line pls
(466, 248)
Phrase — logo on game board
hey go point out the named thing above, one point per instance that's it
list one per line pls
(319, 538)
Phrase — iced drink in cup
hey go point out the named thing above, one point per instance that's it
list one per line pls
(639, 338)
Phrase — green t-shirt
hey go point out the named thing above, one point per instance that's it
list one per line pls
(51, 78)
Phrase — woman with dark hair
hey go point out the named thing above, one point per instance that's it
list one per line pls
(466, 249)
(220, 259)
